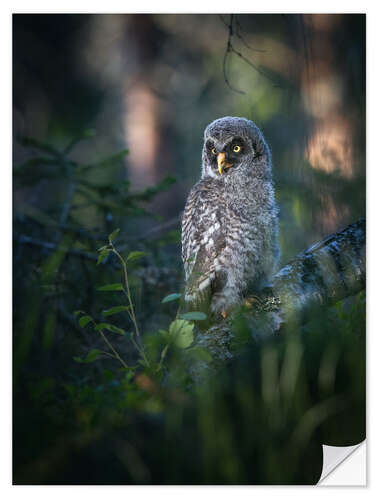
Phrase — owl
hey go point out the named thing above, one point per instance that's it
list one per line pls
(230, 221)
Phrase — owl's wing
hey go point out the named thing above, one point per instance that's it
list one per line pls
(202, 243)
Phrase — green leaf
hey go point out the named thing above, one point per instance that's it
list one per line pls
(84, 321)
(116, 329)
(200, 353)
(76, 313)
(182, 333)
(194, 316)
(114, 287)
(102, 256)
(114, 310)
(164, 334)
(113, 235)
(91, 356)
(111, 328)
(169, 298)
(105, 247)
(135, 256)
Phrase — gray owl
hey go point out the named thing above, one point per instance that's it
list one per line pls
(230, 222)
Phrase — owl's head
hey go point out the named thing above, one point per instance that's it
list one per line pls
(235, 144)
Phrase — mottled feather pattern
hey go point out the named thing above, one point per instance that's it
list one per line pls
(229, 227)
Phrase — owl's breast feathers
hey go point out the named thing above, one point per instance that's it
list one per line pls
(228, 242)
(203, 240)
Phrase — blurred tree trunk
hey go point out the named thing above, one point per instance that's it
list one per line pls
(147, 118)
(143, 117)
(331, 93)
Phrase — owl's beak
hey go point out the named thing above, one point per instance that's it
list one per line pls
(222, 163)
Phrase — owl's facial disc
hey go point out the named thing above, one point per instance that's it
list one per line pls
(224, 155)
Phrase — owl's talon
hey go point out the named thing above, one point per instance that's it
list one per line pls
(251, 301)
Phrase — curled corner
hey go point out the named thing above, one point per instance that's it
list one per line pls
(333, 456)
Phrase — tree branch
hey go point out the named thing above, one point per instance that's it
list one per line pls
(329, 271)
(48, 245)
(28, 240)
(234, 30)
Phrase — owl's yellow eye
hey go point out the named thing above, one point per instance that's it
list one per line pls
(213, 151)
(236, 148)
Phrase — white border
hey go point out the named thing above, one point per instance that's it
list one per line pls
(162, 6)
